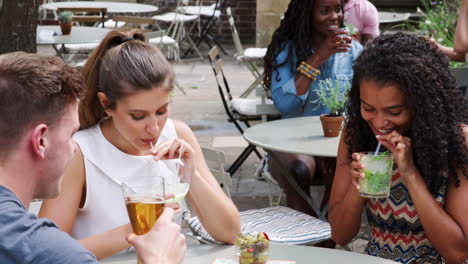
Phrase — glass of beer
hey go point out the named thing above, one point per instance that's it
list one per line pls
(144, 198)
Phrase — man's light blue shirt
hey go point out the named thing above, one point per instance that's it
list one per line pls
(337, 67)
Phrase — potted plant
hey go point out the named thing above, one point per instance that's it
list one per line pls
(331, 95)
(65, 22)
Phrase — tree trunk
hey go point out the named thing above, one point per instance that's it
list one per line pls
(18, 21)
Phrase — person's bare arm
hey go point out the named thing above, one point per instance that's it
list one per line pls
(450, 52)
(460, 44)
(346, 205)
(217, 213)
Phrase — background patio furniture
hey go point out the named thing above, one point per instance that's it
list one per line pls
(86, 37)
(302, 135)
(461, 76)
(158, 37)
(177, 27)
(112, 7)
(251, 57)
(93, 15)
(238, 110)
(209, 16)
(282, 224)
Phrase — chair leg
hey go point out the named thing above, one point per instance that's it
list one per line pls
(242, 157)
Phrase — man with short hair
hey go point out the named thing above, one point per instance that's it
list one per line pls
(363, 15)
(39, 115)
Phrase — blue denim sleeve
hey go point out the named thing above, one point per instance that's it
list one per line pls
(283, 87)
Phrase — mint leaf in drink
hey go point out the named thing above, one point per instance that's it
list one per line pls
(376, 182)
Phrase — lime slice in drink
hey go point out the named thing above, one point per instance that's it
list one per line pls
(179, 190)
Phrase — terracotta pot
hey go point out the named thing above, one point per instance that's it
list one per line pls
(331, 125)
(66, 28)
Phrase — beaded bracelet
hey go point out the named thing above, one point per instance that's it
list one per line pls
(308, 71)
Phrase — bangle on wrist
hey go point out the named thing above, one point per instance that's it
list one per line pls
(308, 71)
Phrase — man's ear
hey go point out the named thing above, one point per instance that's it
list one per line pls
(40, 140)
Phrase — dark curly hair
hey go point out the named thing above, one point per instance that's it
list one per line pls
(296, 26)
(437, 107)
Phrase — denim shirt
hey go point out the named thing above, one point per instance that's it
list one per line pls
(337, 67)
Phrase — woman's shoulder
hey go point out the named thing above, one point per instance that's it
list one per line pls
(284, 52)
(86, 134)
(181, 128)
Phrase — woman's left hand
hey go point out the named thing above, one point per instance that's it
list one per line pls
(400, 146)
(173, 149)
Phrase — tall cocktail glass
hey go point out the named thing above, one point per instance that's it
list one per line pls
(378, 174)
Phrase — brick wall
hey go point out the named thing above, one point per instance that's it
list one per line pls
(244, 12)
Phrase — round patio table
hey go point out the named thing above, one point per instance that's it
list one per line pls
(208, 254)
(50, 35)
(302, 135)
(112, 7)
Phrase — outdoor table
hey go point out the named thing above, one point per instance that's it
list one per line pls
(112, 7)
(51, 35)
(302, 135)
(392, 17)
(207, 254)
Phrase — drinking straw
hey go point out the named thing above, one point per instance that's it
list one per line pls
(377, 149)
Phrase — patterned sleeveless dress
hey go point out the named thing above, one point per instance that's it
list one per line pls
(396, 232)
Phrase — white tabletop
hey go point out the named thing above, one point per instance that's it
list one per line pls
(207, 254)
(302, 135)
(392, 17)
(48, 35)
(112, 7)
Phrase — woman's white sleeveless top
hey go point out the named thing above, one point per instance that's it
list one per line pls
(106, 167)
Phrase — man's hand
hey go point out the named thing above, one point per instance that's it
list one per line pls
(163, 244)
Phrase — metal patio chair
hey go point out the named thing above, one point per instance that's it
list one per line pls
(282, 224)
(238, 110)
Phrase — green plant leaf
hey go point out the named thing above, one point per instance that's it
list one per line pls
(332, 95)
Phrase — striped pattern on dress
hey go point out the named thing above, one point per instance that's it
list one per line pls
(396, 232)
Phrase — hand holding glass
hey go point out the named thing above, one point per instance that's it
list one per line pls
(144, 198)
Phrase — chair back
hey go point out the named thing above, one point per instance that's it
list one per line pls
(154, 34)
(265, 109)
(461, 76)
(86, 15)
(136, 21)
(216, 161)
(216, 64)
(235, 35)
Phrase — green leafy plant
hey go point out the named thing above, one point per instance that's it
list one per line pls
(65, 17)
(331, 95)
(438, 22)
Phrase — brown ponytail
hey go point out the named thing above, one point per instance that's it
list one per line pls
(122, 64)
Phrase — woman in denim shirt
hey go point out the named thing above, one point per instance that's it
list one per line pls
(308, 33)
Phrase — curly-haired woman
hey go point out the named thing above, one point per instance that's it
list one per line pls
(305, 49)
(403, 96)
